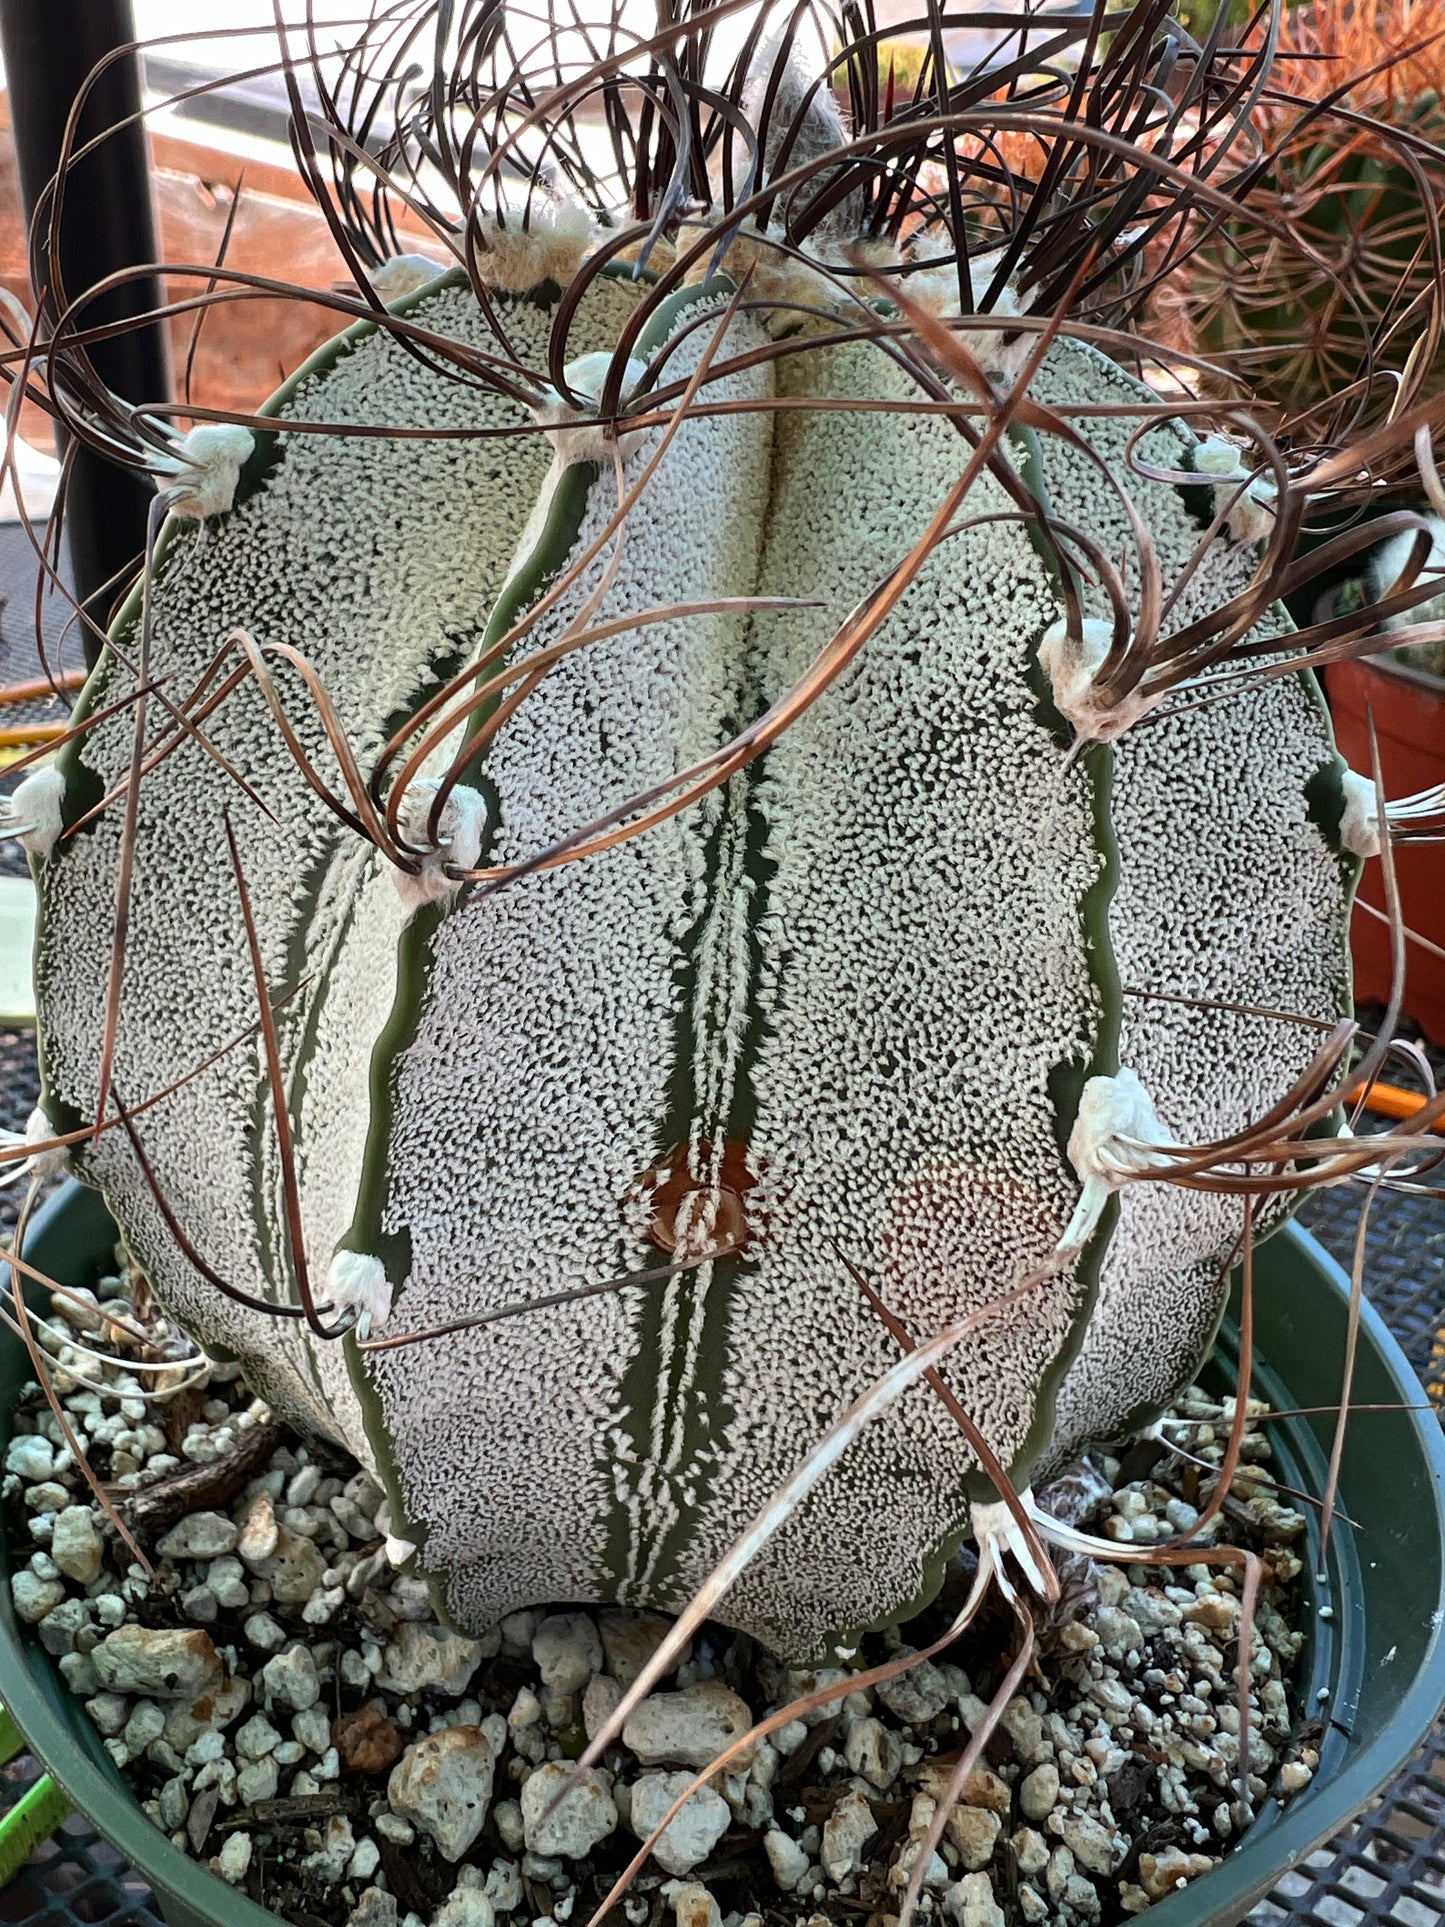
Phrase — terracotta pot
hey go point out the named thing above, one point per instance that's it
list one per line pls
(1408, 706)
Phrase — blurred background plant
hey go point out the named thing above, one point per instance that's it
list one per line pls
(1322, 301)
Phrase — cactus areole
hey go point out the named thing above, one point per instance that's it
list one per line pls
(918, 998)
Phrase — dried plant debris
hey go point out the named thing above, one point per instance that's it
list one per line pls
(289, 1711)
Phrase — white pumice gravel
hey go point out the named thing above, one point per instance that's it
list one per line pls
(289, 1711)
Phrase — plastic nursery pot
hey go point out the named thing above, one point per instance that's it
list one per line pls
(1374, 1673)
(1408, 706)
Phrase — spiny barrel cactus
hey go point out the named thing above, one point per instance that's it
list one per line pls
(1332, 305)
(668, 806)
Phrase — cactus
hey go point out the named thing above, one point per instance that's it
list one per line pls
(1337, 301)
(667, 803)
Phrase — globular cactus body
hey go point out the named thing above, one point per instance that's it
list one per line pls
(839, 1018)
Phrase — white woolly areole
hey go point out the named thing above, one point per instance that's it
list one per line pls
(1115, 1125)
(1251, 510)
(1218, 456)
(31, 812)
(1360, 825)
(784, 275)
(805, 114)
(1001, 352)
(403, 274)
(458, 842)
(45, 1164)
(205, 471)
(357, 1282)
(549, 247)
(1071, 664)
(996, 1531)
(572, 431)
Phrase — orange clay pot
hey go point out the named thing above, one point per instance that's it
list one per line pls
(1408, 706)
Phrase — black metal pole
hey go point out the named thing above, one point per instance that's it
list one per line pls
(50, 47)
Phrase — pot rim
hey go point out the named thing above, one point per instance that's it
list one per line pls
(1395, 670)
(1224, 1895)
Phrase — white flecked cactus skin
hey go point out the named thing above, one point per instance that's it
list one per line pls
(834, 1020)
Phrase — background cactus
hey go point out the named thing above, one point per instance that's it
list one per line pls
(676, 797)
(1334, 305)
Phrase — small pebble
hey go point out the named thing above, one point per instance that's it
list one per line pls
(583, 1817)
(234, 1860)
(366, 1741)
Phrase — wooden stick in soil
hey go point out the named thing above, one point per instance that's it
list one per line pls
(202, 1488)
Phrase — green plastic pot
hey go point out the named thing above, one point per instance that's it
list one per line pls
(1374, 1672)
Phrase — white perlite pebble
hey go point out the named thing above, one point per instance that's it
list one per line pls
(1119, 1633)
(47, 1498)
(226, 1582)
(847, 1831)
(33, 1598)
(583, 1817)
(293, 1571)
(691, 1837)
(443, 1784)
(234, 1859)
(691, 1727)
(162, 1664)
(630, 1638)
(567, 1651)
(694, 1906)
(146, 1723)
(786, 1858)
(917, 1696)
(259, 1532)
(1090, 1842)
(109, 1712)
(31, 1458)
(338, 1843)
(312, 1728)
(204, 1535)
(365, 1861)
(974, 1831)
(290, 1679)
(418, 1657)
(466, 1907)
(1039, 1792)
(258, 1780)
(508, 1816)
(257, 1739)
(599, 1703)
(265, 1633)
(75, 1545)
(504, 1886)
(871, 1749)
(374, 1909)
(970, 1903)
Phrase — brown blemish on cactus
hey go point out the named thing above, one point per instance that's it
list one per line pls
(698, 1201)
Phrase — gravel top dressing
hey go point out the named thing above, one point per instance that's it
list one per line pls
(286, 1707)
